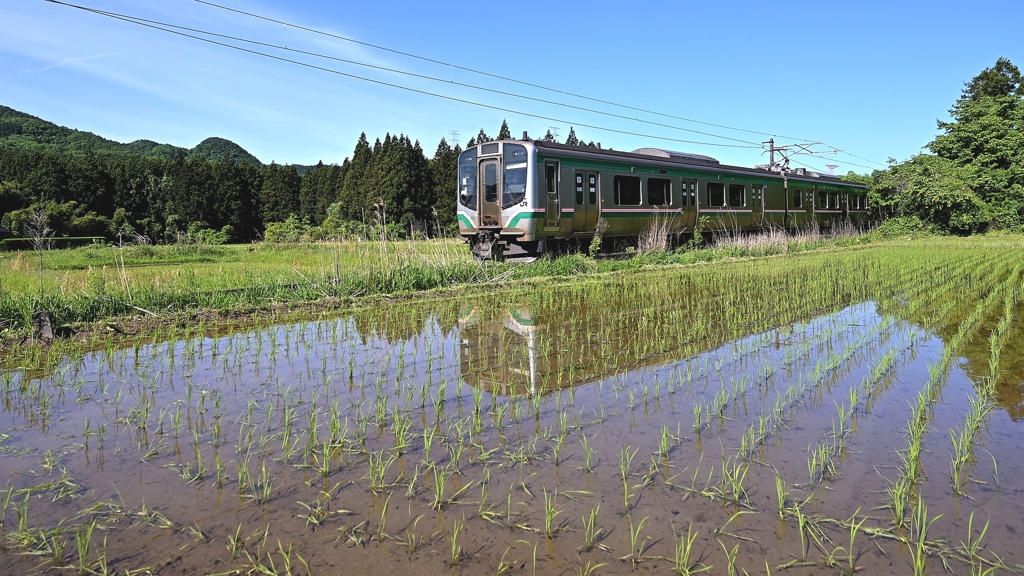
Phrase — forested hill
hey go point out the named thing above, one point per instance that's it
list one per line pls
(27, 132)
(217, 149)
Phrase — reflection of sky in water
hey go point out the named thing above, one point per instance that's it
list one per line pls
(508, 352)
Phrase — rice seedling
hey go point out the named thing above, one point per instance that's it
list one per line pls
(637, 545)
(919, 548)
(625, 463)
(684, 562)
(550, 513)
(591, 533)
(457, 553)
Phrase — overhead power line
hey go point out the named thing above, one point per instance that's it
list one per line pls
(452, 65)
(484, 73)
(169, 29)
(411, 74)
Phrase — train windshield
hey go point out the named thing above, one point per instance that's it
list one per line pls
(467, 178)
(515, 175)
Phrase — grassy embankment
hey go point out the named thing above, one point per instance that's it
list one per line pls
(96, 283)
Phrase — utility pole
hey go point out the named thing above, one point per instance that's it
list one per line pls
(785, 152)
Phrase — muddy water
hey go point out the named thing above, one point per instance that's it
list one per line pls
(324, 446)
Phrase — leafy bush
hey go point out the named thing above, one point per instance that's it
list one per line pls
(289, 231)
(902, 226)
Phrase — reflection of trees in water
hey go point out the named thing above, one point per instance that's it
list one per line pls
(518, 352)
(398, 321)
(976, 352)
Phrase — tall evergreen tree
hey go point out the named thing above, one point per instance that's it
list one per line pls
(482, 137)
(279, 195)
(352, 196)
(444, 167)
(236, 202)
(571, 139)
(189, 187)
(504, 133)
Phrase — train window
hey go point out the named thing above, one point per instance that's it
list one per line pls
(693, 193)
(737, 196)
(592, 188)
(490, 182)
(659, 191)
(834, 201)
(822, 200)
(467, 178)
(579, 188)
(551, 178)
(716, 194)
(797, 198)
(627, 190)
(515, 175)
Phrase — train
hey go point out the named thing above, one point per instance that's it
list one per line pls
(525, 198)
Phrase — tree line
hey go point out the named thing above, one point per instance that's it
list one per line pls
(388, 186)
(973, 178)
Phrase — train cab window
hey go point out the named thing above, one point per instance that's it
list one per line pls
(627, 190)
(515, 175)
(737, 195)
(822, 200)
(551, 178)
(716, 194)
(659, 191)
(467, 178)
(797, 198)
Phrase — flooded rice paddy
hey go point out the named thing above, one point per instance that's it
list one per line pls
(850, 412)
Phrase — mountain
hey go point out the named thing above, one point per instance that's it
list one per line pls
(215, 149)
(21, 130)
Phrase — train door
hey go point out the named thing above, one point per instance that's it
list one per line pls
(490, 200)
(552, 210)
(757, 205)
(593, 205)
(586, 195)
(689, 203)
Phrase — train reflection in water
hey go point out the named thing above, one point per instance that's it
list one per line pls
(501, 355)
(514, 352)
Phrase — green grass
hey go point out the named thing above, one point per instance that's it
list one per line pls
(98, 282)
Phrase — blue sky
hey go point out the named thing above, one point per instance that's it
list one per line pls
(869, 78)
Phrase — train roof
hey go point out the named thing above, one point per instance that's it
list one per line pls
(659, 157)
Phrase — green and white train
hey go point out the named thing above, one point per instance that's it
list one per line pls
(526, 198)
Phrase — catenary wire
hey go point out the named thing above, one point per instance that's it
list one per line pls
(484, 73)
(410, 74)
(398, 86)
(530, 84)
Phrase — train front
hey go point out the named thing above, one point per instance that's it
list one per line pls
(497, 207)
